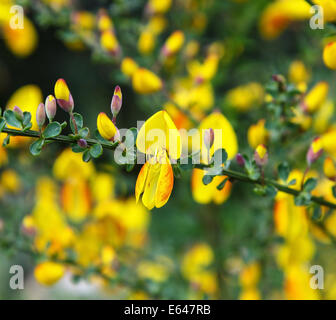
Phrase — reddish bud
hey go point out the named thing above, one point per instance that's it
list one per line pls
(50, 107)
(82, 143)
(116, 101)
(208, 138)
(315, 151)
(261, 155)
(40, 115)
(240, 160)
(18, 113)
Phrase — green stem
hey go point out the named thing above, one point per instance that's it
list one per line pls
(60, 138)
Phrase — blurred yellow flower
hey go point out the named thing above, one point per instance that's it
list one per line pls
(48, 273)
(173, 44)
(257, 134)
(128, 66)
(298, 72)
(315, 97)
(146, 41)
(145, 81)
(245, 97)
(10, 181)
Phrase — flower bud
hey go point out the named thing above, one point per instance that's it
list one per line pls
(208, 138)
(106, 127)
(329, 55)
(329, 169)
(240, 160)
(173, 44)
(315, 151)
(18, 113)
(63, 96)
(116, 101)
(82, 143)
(261, 155)
(50, 107)
(40, 115)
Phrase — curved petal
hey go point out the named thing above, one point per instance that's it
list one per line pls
(141, 180)
(165, 184)
(148, 197)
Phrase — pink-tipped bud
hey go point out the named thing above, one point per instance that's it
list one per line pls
(261, 155)
(82, 143)
(18, 113)
(116, 101)
(315, 151)
(63, 96)
(240, 160)
(208, 138)
(40, 115)
(50, 107)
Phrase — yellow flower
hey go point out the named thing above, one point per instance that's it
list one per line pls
(159, 138)
(154, 271)
(145, 81)
(250, 294)
(173, 44)
(128, 66)
(10, 181)
(104, 21)
(323, 116)
(329, 9)
(316, 97)
(329, 169)
(103, 187)
(70, 164)
(329, 55)
(245, 97)
(298, 72)
(106, 127)
(48, 273)
(109, 42)
(157, 24)
(279, 14)
(203, 71)
(158, 6)
(22, 42)
(257, 134)
(146, 41)
(76, 199)
(250, 275)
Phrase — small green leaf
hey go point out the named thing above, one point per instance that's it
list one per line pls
(84, 132)
(2, 124)
(130, 166)
(53, 129)
(283, 171)
(303, 199)
(310, 185)
(260, 190)
(12, 120)
(207, 179)
(36, 147)
(27, 127)
(96, 150)
(220, 156)
(26, 118)
(86, 156)
(77, 149)
(334, 191)
(317, 213)
(222, 184)
(130, 137)
(79, 122)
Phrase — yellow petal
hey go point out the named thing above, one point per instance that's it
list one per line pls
(165, 184)
(148, 197)
(106, 127)
(62, 91)
(48, 273)
(145, 81)
(159, 132)
(141, 180)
